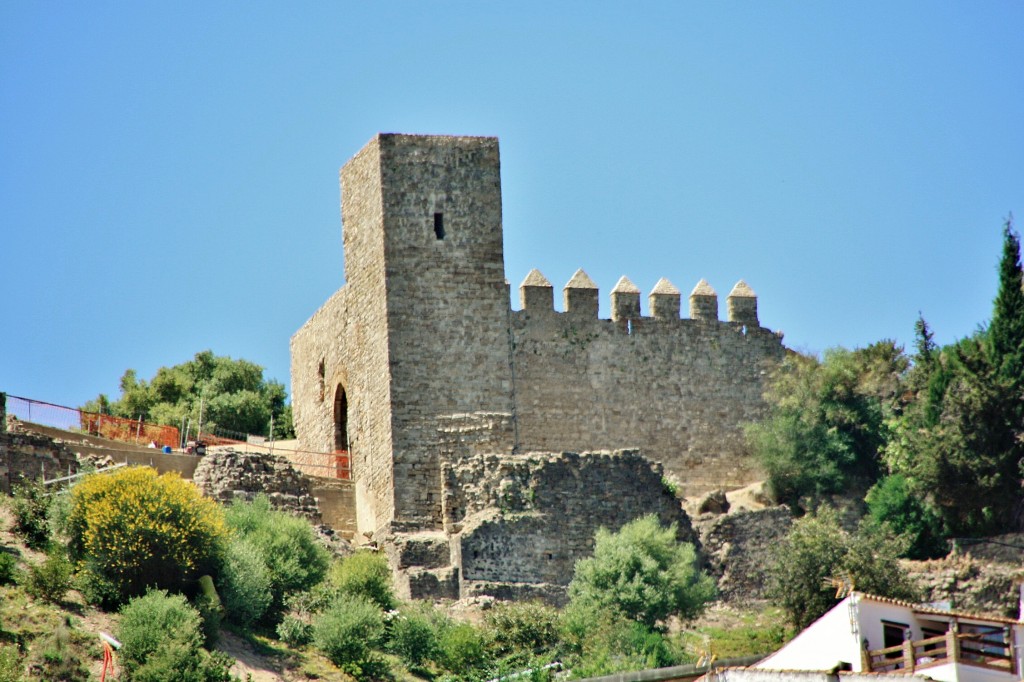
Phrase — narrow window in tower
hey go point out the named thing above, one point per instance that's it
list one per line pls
(439, 225)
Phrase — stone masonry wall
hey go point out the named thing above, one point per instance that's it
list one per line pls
(529, 518)
(740, 548)
(27, 456)
(447, 301)
(230, 475)
(678, 389)
(344, 347)
(423, 333)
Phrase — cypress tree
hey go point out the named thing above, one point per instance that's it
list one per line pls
(1006, 332)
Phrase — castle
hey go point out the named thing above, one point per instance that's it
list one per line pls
(420, 369)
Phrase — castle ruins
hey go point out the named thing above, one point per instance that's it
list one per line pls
(459, 413)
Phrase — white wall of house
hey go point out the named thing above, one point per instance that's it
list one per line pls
(821, 646)
(872, 613)
(837, 638)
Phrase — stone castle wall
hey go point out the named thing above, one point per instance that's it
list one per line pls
(678, 389)
(343, 351)
(422, 340)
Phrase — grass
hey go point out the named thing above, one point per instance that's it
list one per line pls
(729, 633)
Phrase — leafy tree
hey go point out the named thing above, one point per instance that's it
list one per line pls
(960, 446)
(826, 427)
(134, 529)
(817, 550)
(231, 394)
(641, 572)
(959, 441)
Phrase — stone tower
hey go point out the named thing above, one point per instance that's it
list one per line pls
(420, 328)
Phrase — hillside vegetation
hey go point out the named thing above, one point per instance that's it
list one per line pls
(931, 444)
(170, 573)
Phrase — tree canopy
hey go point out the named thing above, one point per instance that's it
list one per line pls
(231, 395)
(939, 435)
(826, 427)
(818, 550)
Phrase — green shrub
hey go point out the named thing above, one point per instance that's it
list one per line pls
(10, 664)
(294, 631)
(139, 530)
(413, 637)
(891, 503)
(294, 558)
(609, 643)
(245, 583)
(524, 626)
(347, 631)
(462, 648)
(8, 568)
(97, 589)
(58, 512)
(176, 661)
(365, 574)
(29, 505)
(641, 572)
(161, 637)
(51, 578)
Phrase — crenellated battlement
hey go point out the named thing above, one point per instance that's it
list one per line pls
(580, 295)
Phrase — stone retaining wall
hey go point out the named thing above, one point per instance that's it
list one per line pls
(740, 549)
(527, 519)
(27, 456)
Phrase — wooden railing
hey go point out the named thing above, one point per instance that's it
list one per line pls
(973, 648)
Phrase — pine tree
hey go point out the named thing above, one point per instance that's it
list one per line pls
(1006, 332)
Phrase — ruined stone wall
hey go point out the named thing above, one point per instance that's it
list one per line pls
(678, 389)
(229, 475)
(530, 518)
(740, 549)
(27, 456)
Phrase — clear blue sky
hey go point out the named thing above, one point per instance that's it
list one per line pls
(168, 171)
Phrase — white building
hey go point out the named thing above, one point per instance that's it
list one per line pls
(871, 635)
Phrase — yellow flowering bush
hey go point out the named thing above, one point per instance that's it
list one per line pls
(133, 529)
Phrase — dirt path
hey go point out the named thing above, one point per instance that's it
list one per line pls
(248, 662)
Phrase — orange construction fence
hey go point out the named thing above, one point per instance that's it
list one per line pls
(130, 430)
(70, 418)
